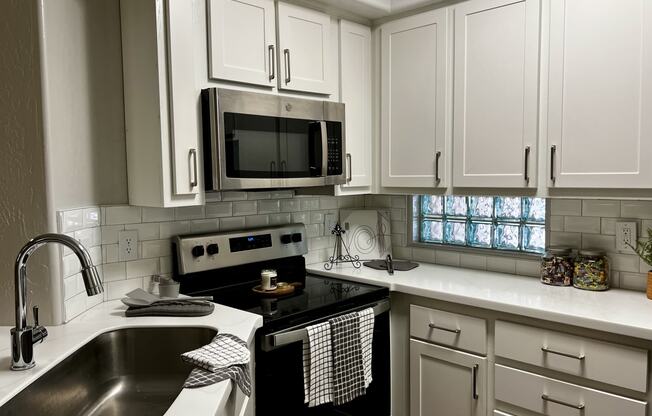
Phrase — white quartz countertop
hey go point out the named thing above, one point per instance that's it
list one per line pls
(622, 312)
(63, 340)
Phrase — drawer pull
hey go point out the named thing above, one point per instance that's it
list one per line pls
(547, 398)
(441, 328)
(563, 354)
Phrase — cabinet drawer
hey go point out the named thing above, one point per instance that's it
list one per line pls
(596, 360)
(553, 397)
(459, 331)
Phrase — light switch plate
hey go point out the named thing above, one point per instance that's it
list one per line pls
(626, 236)
(128, 245)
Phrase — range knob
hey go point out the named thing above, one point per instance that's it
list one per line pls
(197, 251)
(212, 249)
(286, 238)
(296, 237)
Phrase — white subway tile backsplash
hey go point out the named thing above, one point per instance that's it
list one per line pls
(582, 224)
(600, 208)
(111, 253)
(278, 219)
(636, 209)
(92, 217)
(317, 217)
(141, 268)
(258, 195)
(146, 231)
(158, 214)
(123, 214)
(633, 281)
(219, 209)
(71, 286)
(556, 223)
(565, 239)
(643, 267)
(245, 208)
(310, 204)
(155, 248)
(313, 230)
(624, 262)
(328, 202)
(204, 226)
(114, 271)
(598, 241)
(290, 205)
(75, 306)
(234, 196)
(269, 206)
(399, 202)
(423, 254)
(72, 220)
(118, 289)
(70, 265)
(501, 264)
(282, 194)
(165, 264)
(253, 221)
(109, 233)
(89, 237)
(403, 253)
(528, 268)
(473, 261)
(398, 240)
(448, 258)
(301, 217)
(189, 213)
(232, 223)
(608, 226)
(566, 207)
(170, 229)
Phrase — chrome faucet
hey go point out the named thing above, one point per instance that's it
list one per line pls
(23, 337)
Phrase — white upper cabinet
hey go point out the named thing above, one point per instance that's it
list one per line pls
(304, 44)
(496, 93)
(413, 114)
(242, 41)
(161, 95)
(599, 127)
(355, 78)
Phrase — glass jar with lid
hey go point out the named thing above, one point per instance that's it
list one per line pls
(591, 270)
(557, 267)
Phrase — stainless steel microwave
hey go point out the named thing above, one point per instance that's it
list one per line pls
(258, 141)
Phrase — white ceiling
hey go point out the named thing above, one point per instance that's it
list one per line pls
(375, 9)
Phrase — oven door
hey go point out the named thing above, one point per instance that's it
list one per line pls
(266, 141)
(279, 378)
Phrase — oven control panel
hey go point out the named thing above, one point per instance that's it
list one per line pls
(202, 252)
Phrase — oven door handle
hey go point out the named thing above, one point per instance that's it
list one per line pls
(281, 338)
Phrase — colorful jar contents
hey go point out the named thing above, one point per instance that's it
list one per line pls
(557, 267)
(591, 270)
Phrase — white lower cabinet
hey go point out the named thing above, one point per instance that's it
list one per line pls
(444, 381)
(549, 396)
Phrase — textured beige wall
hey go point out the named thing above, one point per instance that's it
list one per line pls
(24, 209)
(83, 100)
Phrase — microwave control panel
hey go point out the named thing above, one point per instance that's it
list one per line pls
(334, 130)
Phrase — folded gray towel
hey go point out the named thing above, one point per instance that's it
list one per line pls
(172, 309)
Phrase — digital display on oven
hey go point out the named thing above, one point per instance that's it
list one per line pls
(250, 242)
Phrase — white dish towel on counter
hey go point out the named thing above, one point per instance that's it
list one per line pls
(337, 358)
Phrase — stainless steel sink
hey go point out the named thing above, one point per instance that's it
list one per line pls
(134, 371)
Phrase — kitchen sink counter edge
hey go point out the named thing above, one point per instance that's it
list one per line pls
(617, 311)
(65, 339)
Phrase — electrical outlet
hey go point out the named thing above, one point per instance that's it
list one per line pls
(329, 223)
(625, 236)
(128, 245)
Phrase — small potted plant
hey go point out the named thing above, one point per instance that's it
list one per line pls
(644, 250)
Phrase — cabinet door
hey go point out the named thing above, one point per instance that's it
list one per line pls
(445, 381)
(413, 116)
(183, 99)
(304, 49)
(355, 70)
(496, 93)
(600, 94)
(242, 37)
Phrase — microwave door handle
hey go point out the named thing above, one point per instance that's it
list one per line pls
(324, 148)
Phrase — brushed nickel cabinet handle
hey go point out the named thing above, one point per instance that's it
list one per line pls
(193, 158)
(563, 354)
(272, 64)
(437, 178)
(442, 328)
(553, 151)
(527, 164)
(547, 398)
(474, 376)
(349, 177)
(286, 54)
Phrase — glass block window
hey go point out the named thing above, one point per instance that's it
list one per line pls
(497, 223)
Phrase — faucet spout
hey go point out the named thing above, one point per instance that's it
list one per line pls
(24, 336)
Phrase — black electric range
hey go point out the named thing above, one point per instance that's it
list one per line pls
(231, 272)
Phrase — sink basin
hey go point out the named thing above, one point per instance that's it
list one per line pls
(133, 371)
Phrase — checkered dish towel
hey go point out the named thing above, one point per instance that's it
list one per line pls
(318, 365)
(226, 357)
(367, 320)
(348, 370)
